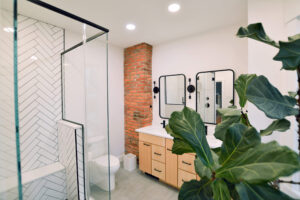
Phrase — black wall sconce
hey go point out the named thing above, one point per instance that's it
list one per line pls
(190, 88)
(155, 89)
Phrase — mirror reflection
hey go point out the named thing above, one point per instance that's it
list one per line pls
(214, 90)
(172, 94)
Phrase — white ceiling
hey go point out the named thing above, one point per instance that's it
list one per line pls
(154, 24)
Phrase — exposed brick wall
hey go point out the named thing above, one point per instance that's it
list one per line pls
(138, 92)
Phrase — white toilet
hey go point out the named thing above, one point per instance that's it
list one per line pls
(98, 164)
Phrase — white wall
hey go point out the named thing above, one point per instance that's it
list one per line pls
(95, 60)
(274, 16)
(212, 50)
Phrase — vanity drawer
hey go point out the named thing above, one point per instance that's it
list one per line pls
(152, 139)
(158, 170)
(186, 163)
(158, 153)
(184, 176)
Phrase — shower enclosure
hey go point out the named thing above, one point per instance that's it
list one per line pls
(53, 99)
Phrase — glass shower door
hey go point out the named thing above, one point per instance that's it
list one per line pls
(85, 101)
(10, 174)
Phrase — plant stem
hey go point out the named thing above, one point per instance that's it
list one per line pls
(290, 182)
(245, 117)
(298, 116)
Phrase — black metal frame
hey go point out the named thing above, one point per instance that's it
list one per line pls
(62, 97)
(67, 14)
(213, 71)
(159, 85)
(104, 30)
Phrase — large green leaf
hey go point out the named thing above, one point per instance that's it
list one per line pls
(294, 37)
(277, 125)
(238, 139)
(267, 98)
(292, 94)
(241, 85)
(189, 125)
(261, 164)
(256, 32)
(289, 53)
(229, 117)
(180, 146)
(196, 190)
(220, 190)
(202, 170)
(260, 192)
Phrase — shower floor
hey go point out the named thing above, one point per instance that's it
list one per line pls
(136, 185)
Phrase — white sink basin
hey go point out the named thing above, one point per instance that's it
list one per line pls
(161, 132)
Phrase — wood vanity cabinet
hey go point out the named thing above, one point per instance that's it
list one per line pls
(156, 158)
(152, 157)
(171, 164)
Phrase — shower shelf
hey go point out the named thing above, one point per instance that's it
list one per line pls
(30, 176)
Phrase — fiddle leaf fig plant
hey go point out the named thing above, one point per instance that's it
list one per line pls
(243, 167)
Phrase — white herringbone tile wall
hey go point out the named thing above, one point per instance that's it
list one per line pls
(39, 74)
(39, 71)
(71, 145)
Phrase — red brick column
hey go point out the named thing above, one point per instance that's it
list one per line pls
(138, 93)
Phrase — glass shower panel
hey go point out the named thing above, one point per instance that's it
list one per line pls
(52, 143)
(85, 101)
(10, 175)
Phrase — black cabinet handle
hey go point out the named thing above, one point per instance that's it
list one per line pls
(147, 144)
(186, 163)
(157, 170)
(157, 154)
(169, 149)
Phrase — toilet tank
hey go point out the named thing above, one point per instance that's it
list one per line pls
(97, 146)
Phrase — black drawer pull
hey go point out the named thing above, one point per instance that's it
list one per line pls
(157, 170)
(186, 163)
(157, 154)
(147, 144)
(169, 149)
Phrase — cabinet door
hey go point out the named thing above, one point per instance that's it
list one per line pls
(145, 159)
(171, 164)
(184, 176)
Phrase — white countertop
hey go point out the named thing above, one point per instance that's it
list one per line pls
(161, 132)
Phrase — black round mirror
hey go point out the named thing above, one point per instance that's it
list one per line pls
(156, 90)
(191, 88)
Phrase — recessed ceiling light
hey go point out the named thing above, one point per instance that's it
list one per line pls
(174, 7)
(8, 29)
(130, 27)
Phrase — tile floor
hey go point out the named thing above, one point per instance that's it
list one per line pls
(136, 186)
